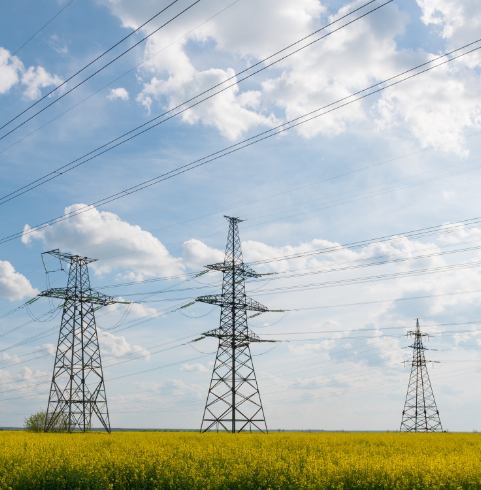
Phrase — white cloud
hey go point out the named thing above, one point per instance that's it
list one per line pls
(426, 107)
(51, 349)
(9, 72)
(458, 233)
(116, 346)
(197, 254)
(231, 112)
(118, 93)
(458, 20)
(306, 349)
(351, 59)
(37, 78)
(255, 251)
(193, 368)
(33, 79)
(13, 285)
(129, 247)
(389, 348)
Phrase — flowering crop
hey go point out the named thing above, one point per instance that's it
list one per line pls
(186, 460)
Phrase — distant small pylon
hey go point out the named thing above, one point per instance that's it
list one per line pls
(420, 412)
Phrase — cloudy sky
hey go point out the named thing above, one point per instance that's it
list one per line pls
(353, 183)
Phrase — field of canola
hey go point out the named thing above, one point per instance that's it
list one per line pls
(163, 460)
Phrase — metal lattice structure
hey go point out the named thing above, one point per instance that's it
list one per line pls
(78, 389)
(420, 412)
(233, 401)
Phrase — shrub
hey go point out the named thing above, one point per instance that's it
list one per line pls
(36, 422)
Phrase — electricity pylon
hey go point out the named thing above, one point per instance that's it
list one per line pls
(233, 401)
(420, 412)
(78, 389)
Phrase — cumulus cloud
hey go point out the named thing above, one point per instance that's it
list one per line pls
(351, 59)
(389, 348)
(193, 368)
(458, 233)
(458, 21)
(330, 253)
(13, 71)
(118, 93)
(13, 285)
(129, 247)
(51, 349)
(231, 112)
(427, 108)
(36, 78)
(197, 254)
(116, 346)
(134, 311)
(306, 349)
(9, 72)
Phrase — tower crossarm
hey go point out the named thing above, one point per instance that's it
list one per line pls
(240, 269)
(69, 257)
(74, 294)
(242, 339)
(241, 303)
(418, 347)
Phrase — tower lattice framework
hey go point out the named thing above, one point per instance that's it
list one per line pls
(233, 401)
(78, 389)
(420, 412)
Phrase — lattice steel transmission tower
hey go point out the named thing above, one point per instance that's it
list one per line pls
(233, 401)
(78, 389)
(420, 412)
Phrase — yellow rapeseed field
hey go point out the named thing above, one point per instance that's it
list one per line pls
(180, 460)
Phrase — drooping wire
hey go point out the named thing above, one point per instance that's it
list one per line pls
(54, 313)
(199, 316)
(271, 324)
(276, 345)
(123, 318)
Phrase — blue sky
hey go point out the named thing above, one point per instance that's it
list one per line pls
(404, 159)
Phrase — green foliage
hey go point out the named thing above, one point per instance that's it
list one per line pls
(36, 422)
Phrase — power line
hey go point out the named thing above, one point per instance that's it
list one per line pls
(219, 154)
(386, 300)
(194, 274)
(118, 78)
(279, 194)
(86, 66)
(66, 168)
(362, 280)
(418, 233)
(340, 282)
(284, 217)
(290, 274)
(93, 74)
(338, 201)
(29, 39)
(361, 303)
(262, 199)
